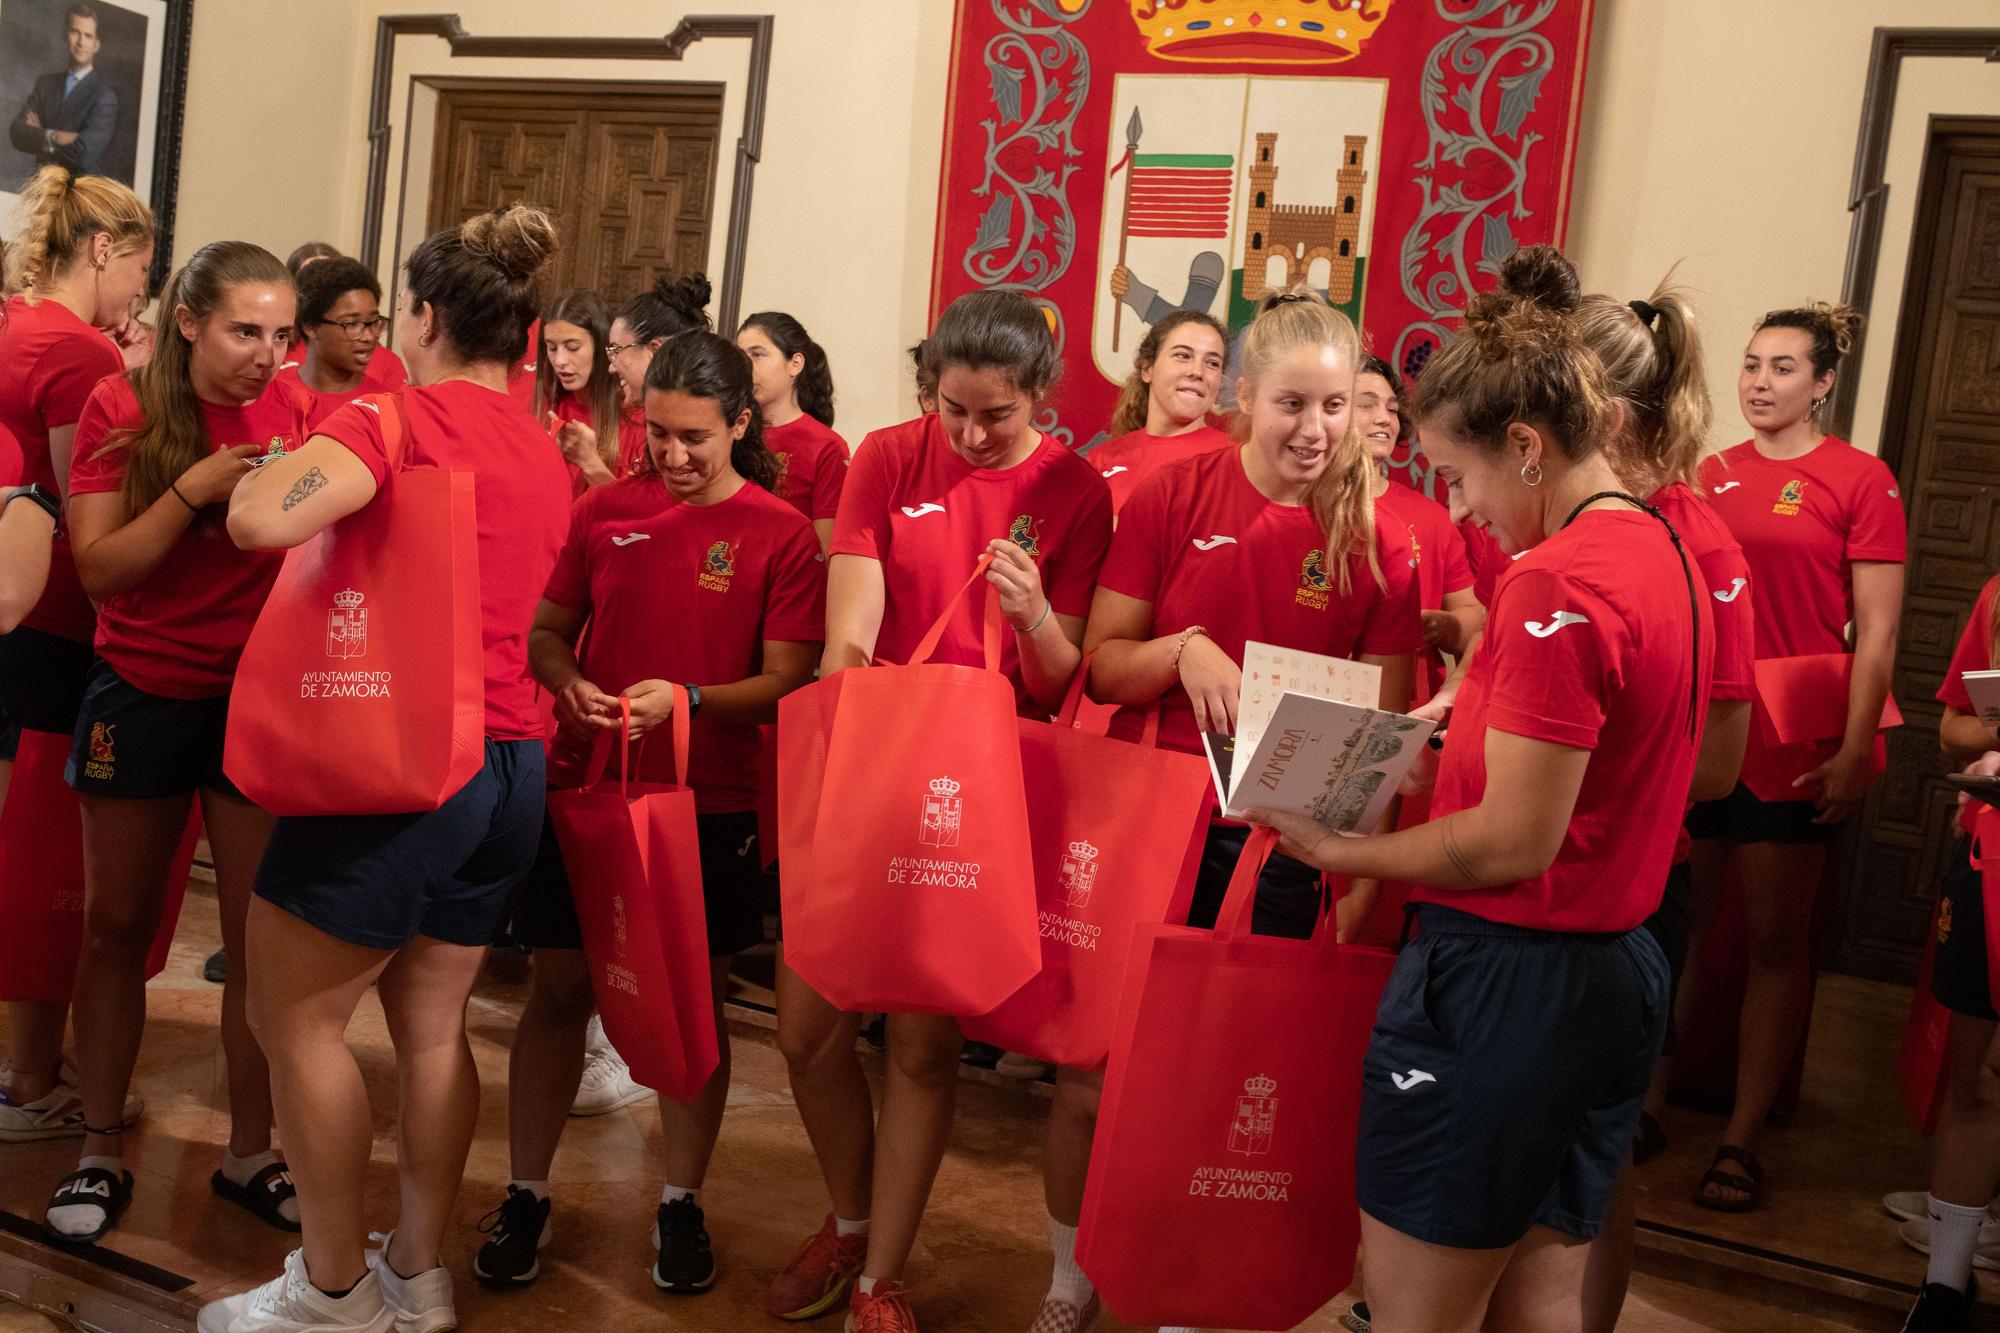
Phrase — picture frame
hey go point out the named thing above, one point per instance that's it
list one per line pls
(131, 130)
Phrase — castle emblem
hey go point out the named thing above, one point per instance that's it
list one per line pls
(1078, 873)
(944, 810)
(347, 625)
(1256, 1114)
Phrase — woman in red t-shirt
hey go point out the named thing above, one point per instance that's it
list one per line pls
(575, 392)
(409, 901)
(1162, 412)
(795, 394)
(340, 336)
(924, 501)
(1515, 1039)
(1821, 525)
(77, 264)
(157, 453)
(385, 370)
(670, 306)
(761, 605)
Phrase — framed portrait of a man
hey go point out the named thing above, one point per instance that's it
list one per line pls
(95, 86)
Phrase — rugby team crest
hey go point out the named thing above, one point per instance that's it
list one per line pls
(944, 810)
(347, 625)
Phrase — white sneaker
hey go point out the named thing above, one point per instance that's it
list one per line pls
(56, 1116)
(594, 1041)
(1916, 1234)
(420, 1304)
(607, 1085)
(289, 1303)
(1905, 1204)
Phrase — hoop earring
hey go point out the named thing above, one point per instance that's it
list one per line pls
(1531, 473)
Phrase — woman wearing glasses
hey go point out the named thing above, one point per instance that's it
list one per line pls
(340, 334)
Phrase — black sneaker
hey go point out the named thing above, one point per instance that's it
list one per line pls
(1939, 1309)
(686, 1264)
(519, 1228)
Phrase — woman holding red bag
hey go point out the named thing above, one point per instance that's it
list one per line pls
(577, 395)
(1822, 527)
(727, 554)
(1162, 412)
(795, 398)
(77, 265)
(405, 902)
(924, 501)
(1272, 540)
(157, 452)
(1515, 1040)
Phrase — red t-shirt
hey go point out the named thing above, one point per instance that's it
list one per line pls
(1206, 548)
(1487, 560)
(10, 458)
(323, 405)
(1588, 644)
(54, 360)
(631, 435)
(1418, 531)
(179, 633)
(523, 512)
(1137, 455)
(746, 570)
(812, 462)
(385, 370)
(1974, 652)
(927, 516)
(1801, 522)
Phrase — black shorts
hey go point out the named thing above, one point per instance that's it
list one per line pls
(144, 746)
(1960, 971)
(1740, 817)
(1290, 894)
(445, 874)
(1503, 1082)
(41, 680)
(1671, 927)
(732, 885)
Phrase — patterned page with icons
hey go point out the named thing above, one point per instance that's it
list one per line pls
(1269, 672)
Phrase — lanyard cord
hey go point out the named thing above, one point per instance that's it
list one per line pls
(1694, 603)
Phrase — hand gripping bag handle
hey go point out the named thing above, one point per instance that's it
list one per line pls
(1073, 702)
(600, 751)
(928, 644)
(1233, 922)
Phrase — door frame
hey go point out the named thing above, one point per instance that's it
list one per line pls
(757, 29)
(1910, 375)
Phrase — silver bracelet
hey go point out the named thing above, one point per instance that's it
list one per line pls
(1047, 606)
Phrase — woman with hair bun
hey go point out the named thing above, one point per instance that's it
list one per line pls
(1162, 412)
(577, 396)
(795, 396)
(77, 265)
(1821, 524)
(1515, 1039)
(405, 903)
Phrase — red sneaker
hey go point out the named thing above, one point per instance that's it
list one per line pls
(815, 1282)
(883, 1311)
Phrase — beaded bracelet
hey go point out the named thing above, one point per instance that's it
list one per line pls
(1180, 646)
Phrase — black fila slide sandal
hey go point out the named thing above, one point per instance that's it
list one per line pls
(90, 1186)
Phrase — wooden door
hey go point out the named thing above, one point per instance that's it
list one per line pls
(627, 171)
(1942, 439)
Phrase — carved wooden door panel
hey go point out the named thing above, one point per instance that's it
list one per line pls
(1942, 438)
(626, 170)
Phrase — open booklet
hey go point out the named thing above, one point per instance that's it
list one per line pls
(1309, 741)
(1984, 687)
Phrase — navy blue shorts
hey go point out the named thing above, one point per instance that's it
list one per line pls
(1960, 971)
(732, 884)
(1672, 927)
(41, 680)
(379, 880)
(142, 746)
(1740, 817)
(1503, 1082)
(1290, 894)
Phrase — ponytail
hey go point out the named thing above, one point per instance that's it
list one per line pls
(60, 215)
(1130, 414)
(702, 364)
(813, 385)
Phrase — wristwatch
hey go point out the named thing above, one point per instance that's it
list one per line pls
(694, 700)
(42, 496)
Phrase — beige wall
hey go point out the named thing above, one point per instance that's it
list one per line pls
(1717, 135)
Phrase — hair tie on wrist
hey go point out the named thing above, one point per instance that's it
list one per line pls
(1646, 311)
(175, 487)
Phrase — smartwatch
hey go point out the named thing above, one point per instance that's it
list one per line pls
(41, 495)
(694, 700)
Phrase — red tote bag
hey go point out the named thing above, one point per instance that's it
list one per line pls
(1104, 863)
(41, 877)
(918, 892)
(634, 862)
(362, 689)
(1230, 1109)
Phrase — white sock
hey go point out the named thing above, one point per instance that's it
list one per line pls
(538, 1188)
(672, 1192)
(1954, 1231)
(1068, 1284)
(866, 1285)
(843, 1227)
(239, 1170)
(80, 1219)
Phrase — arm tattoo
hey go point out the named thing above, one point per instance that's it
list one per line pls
(1446, 828)
(312, 481)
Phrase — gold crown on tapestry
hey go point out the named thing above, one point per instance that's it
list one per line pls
(1083, 851)
(1260, 1086)
(348, 600)
(944, 787)
(1276, 32)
